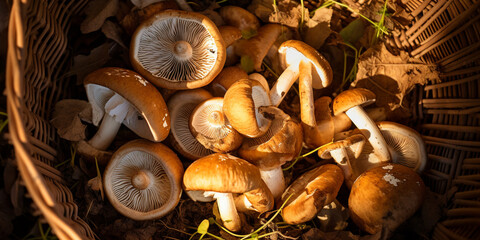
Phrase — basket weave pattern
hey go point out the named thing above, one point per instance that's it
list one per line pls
(443, 32)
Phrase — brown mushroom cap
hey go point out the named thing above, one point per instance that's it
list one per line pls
(230, 34)
(254, 49)
(240, 18)
(181, 105)
(310, 193)
(153, 119)
(293, 51)
(177, 59)
(281, 143)
(211, 128)
(226, 173)
(240, 105)
(143, 180)
(351, 98)
(384, 197)
(225, 79)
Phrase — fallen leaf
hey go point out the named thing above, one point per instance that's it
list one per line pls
(113, 31)
(67, 118)
(353, 31)
(262, 9)
(97, 11)
(392, 77)
(83, 65)
(317, 29)
(288, 13)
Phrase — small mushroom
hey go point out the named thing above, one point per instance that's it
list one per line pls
(178, 50)
(309, 193)
(241, 19)
(351, 102)
(254, 50)
(225, 79)
(345, 152)
(240, 105)
(211, 128)
(405, 145)
(261, 79)
(143, 180)
(384, 197)
(280, 144)
(222, 175)
(315, 72)
(119, 96)
(181, 105)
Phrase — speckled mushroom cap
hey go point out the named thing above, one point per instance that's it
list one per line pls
(351, 98)
(143, 180)
(152, 119)
(178, 50)
(384, 197)
(310, 192)
(211, 128)
(281, 143)
(240, 105)
(292, 51)
(181, 105)
(226, 173)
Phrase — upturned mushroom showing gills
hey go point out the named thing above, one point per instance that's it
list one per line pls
(280, 144)
(181, 105)
(178, 50)
(309, 193)
(240, 105)
(384, 197)
(351, 102)
(222, 175)
(143, 180)
(119, 96)
(315, 72)
(211, 128)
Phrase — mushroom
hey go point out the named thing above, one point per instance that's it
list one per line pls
(315, 72)
(253, 50)
(181, 105)
(143, 180)
(222, 175)
(230, 35)
(225, 79)
(178, 50)
(241, 19)
(405, 145)
(351, 102)
(211, 128)
(345, 152)
(240, 105)
(384, 197)
(309, 193)
(281, 143)
(119, 96)
(261, 79)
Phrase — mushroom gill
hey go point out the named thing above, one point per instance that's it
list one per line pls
(140, 182)
(177, 50)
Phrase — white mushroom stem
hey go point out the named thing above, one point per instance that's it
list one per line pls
(370, 130)
(307, 107)
(283, 84)
(116, 110)
(342, 158)
(228, 211)
(274, 180)
(106, 133)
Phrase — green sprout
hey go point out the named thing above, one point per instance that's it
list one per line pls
(305, 155)
(3, 123)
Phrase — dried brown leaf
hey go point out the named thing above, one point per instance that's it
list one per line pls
(97, 11)
(67, 118)
(317, 29)
(113, 31)
(392, 77)
(83, 65)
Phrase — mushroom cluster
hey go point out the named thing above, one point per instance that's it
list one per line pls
(227, 133)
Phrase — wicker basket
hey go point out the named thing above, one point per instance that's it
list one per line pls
(444, 32)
